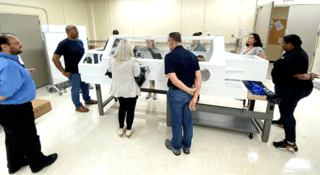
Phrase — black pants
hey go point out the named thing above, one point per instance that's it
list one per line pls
(127, 106)
(22, 141)
(290, 98)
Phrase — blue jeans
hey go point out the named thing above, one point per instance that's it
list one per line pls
(76, 84)
(290, 98)
(180, 117)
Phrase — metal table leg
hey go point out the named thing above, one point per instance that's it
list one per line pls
(99, 99)
(267, 123)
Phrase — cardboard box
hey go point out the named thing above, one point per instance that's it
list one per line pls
(40, 107)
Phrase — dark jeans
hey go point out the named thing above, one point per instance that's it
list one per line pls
(22, 141)
(290, 98)
(76, 85)
(181, 118)
(127, 106)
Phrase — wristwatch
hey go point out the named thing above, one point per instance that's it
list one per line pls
(310, 75)
(63, 71)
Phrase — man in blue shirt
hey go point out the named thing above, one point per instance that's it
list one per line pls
(17, 90)
(72, 50)
(183, 70)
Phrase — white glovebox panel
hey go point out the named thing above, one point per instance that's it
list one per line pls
(221, 73)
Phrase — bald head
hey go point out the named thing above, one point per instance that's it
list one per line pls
(72, 32)
(69, 27)
(10, 44)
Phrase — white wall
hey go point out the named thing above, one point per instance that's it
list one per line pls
(281, 2)
(160, 17)
(59, 11)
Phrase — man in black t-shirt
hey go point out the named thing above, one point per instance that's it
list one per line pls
(72, 50)
(183, 70)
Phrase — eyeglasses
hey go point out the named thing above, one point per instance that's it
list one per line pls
(16, 43)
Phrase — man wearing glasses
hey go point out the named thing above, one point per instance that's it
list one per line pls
(17, 90)
(72, 50)
(183, 70)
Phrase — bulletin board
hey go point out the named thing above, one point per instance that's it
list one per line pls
(277, 31)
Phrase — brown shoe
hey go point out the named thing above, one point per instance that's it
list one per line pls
(92, 102)
(82, 109)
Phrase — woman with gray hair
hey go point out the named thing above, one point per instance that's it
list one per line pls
(124, 87)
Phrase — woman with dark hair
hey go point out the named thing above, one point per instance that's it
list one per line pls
(197, 46)
(292, 83)
(253, 46)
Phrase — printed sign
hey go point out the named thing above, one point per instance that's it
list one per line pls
(287, 1)
(278, 25)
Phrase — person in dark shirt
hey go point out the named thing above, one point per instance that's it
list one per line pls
(183, 70)
(72, 50)
(17, 90)
(292, 83)
(197, 46)
(116, 42)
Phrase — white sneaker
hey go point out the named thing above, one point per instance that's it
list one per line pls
(155, 96)
(121, 131)
(148, 95)
(129, 132)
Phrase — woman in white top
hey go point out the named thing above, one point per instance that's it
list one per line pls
(253, 46)
(124, 68)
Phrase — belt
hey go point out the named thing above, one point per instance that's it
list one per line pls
(174, 87)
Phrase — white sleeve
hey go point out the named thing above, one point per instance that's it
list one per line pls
(135, 68)
(259, 51)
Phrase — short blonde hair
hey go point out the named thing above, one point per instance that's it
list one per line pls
(124, 52)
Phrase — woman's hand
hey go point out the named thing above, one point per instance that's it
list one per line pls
(313, 76)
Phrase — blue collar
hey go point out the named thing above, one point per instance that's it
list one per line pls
(6, 55)
(11, 57)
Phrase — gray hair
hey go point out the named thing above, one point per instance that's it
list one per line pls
(69, 27)
(124, 52)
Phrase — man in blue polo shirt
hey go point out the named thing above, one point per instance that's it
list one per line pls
(17, 90)
(72, 50)
(183, 70)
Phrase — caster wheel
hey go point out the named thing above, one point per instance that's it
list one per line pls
(250, 136)
(65, 91)
(49, 89)
(60, 93)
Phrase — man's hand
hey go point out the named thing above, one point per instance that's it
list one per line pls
(192, 105)
(31, 70)
(192, 91)
(67, 74)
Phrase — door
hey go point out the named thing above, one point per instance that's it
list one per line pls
(304, 21)
(27, 30)
(263, 22)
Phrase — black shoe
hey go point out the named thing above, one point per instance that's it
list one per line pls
(169, 146)
(50, 159)
(284, 145)
(186, 150)
(17, 168)
(277, 123)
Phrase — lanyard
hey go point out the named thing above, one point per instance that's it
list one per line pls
(13, 60)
